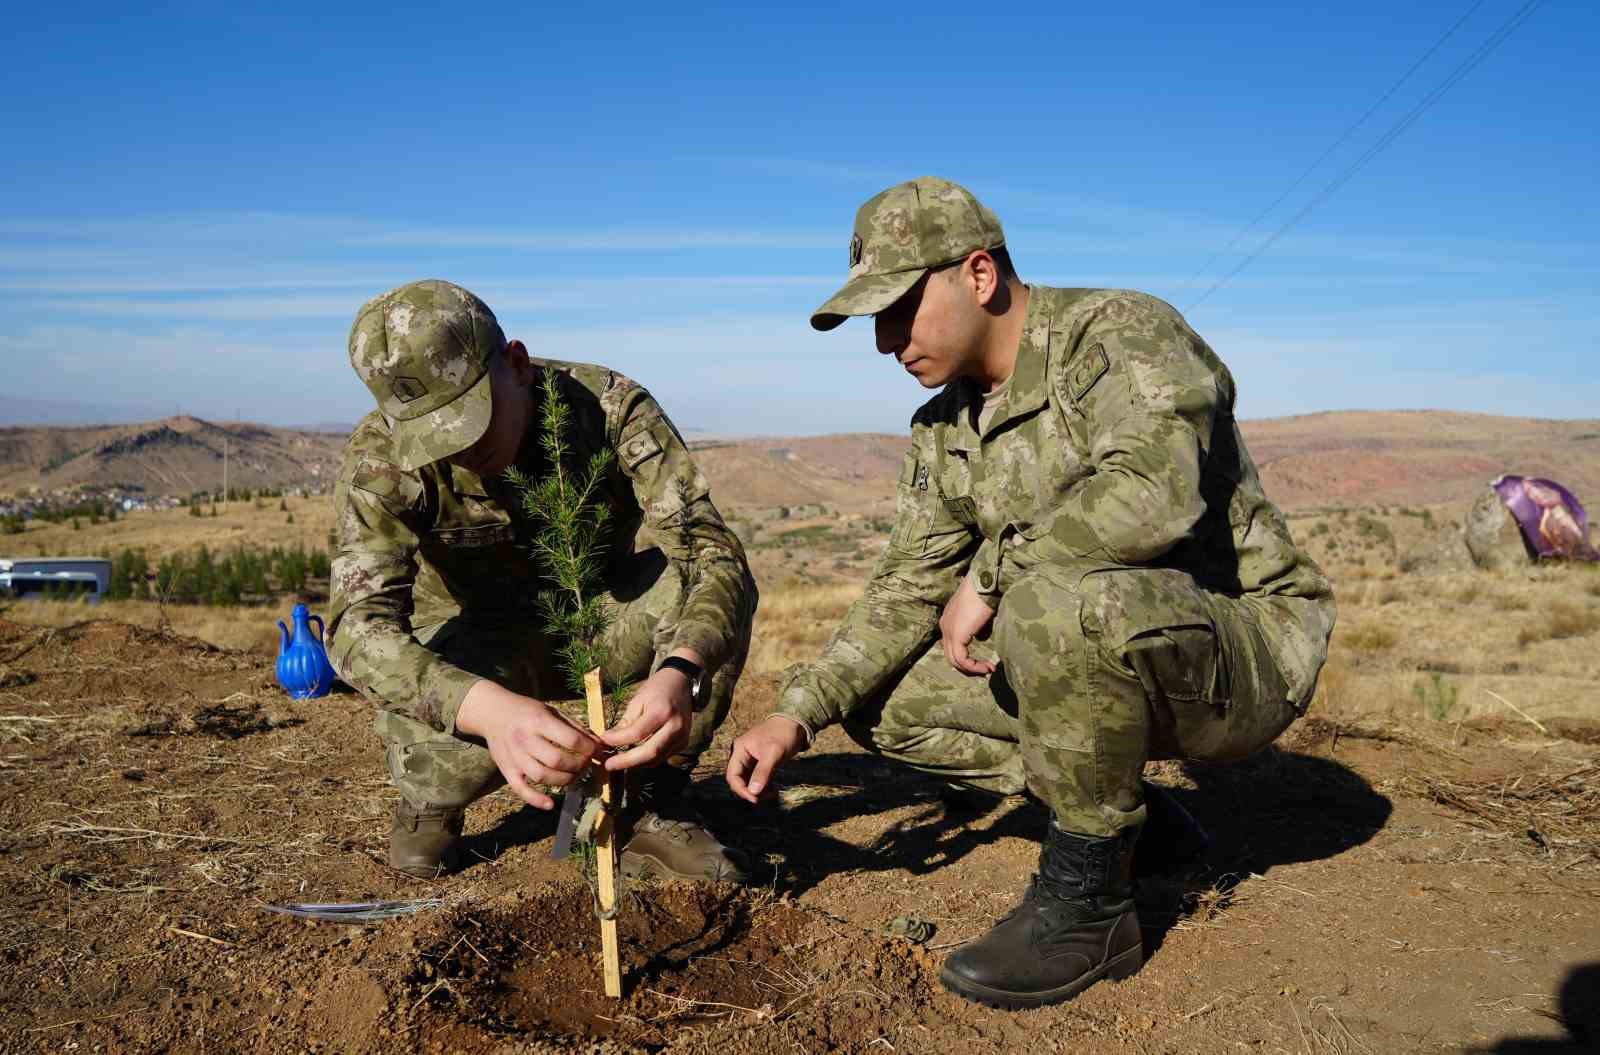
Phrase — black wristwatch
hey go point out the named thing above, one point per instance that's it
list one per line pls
(687, 667)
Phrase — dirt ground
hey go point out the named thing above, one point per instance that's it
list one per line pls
(1379, 886)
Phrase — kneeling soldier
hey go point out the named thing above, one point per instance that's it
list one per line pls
(1080, 489)
(435, 592)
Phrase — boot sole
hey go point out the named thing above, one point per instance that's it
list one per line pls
(1123, 965)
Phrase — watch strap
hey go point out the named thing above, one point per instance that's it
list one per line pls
(687, 667)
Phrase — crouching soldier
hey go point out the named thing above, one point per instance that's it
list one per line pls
(1083, 574)
(435, 592)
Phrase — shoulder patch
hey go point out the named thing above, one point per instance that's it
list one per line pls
(1090, 367)
(638, 449)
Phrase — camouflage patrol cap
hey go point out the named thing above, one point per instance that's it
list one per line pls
(900, 234)
(424, 351)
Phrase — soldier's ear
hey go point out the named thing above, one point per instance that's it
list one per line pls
(516, 356)
(984, 275)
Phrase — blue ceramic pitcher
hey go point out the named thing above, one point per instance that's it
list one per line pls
(303, 667)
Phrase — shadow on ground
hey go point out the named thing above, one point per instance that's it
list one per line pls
(1278, 808)
(526, 825)
(1578, 1009)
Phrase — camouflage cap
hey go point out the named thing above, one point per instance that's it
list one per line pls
(424, 351)
(900, 234)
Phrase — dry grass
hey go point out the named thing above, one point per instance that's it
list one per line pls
(1336, 696)
(248, 628)
(1562, 619)
(1390, 593)
(1367, 637)
(1509, 602)
(162, 531)
(795, 621)
(1548, 812)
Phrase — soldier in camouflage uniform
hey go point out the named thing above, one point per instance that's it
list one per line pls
(435, 592)
(1084, 574)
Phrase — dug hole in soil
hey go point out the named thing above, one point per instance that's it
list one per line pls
(691, 956)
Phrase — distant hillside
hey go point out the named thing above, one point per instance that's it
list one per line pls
(173, 456)
(1341, 458)
(850, 471)
(1416, 457)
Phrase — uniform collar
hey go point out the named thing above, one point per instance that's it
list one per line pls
(465, 482)
(1028, 390)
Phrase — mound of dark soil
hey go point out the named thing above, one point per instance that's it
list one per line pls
(690, 956)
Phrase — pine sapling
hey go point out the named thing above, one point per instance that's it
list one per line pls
(572, 544)
(567, 503)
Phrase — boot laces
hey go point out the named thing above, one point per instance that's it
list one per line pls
(1043, 895)
(680, 829)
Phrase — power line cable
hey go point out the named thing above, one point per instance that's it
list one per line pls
(1337, 143)
(1466, 66)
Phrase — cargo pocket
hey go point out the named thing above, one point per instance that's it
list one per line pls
(1215, 691)
(1260, 708)
(1166, 634)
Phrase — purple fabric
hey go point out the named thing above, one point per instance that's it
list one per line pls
(1551, 517)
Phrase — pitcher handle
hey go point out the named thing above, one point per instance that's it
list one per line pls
(321, 632)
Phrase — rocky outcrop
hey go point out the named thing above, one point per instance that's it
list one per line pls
(1492, 536)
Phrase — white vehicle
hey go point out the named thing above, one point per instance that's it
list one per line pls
(37, 577)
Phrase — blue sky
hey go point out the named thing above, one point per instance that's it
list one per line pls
(200, 195)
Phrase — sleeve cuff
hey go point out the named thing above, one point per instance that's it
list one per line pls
(984, 574)
(796, 705)
(442, 693)
(706, 640)
(811, 734)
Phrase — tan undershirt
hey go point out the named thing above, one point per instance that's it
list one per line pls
(992, 401)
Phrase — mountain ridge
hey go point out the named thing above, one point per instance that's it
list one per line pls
(1326, 458)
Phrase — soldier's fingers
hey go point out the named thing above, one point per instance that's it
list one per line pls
(767, 760)
(739, 762)
(949, 656)
(636, 727)
(549, 775)
(652, 750)
(569, 737)
(956, 652)
(975, 668)
(525, 791)
(554, 759)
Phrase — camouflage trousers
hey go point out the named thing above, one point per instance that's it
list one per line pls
(1099, 672)
(444, 770)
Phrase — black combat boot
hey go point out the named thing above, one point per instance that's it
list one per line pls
(1075, 926)
(422, 842)
(1171, 842)
(663, 836)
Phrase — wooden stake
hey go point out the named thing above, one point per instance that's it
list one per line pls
(605, 836)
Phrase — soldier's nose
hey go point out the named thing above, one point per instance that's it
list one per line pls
(884, 336)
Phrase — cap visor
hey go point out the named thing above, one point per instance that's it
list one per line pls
(448, 430)
(864, 295)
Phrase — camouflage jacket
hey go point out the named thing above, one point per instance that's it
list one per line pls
(1116, 447)
(417, 548)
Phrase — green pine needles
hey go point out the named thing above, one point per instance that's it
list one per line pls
(572, 545)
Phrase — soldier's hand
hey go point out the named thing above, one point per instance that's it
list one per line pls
(657, 721)
(964, 618)
(530, 742)
(759, 752)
